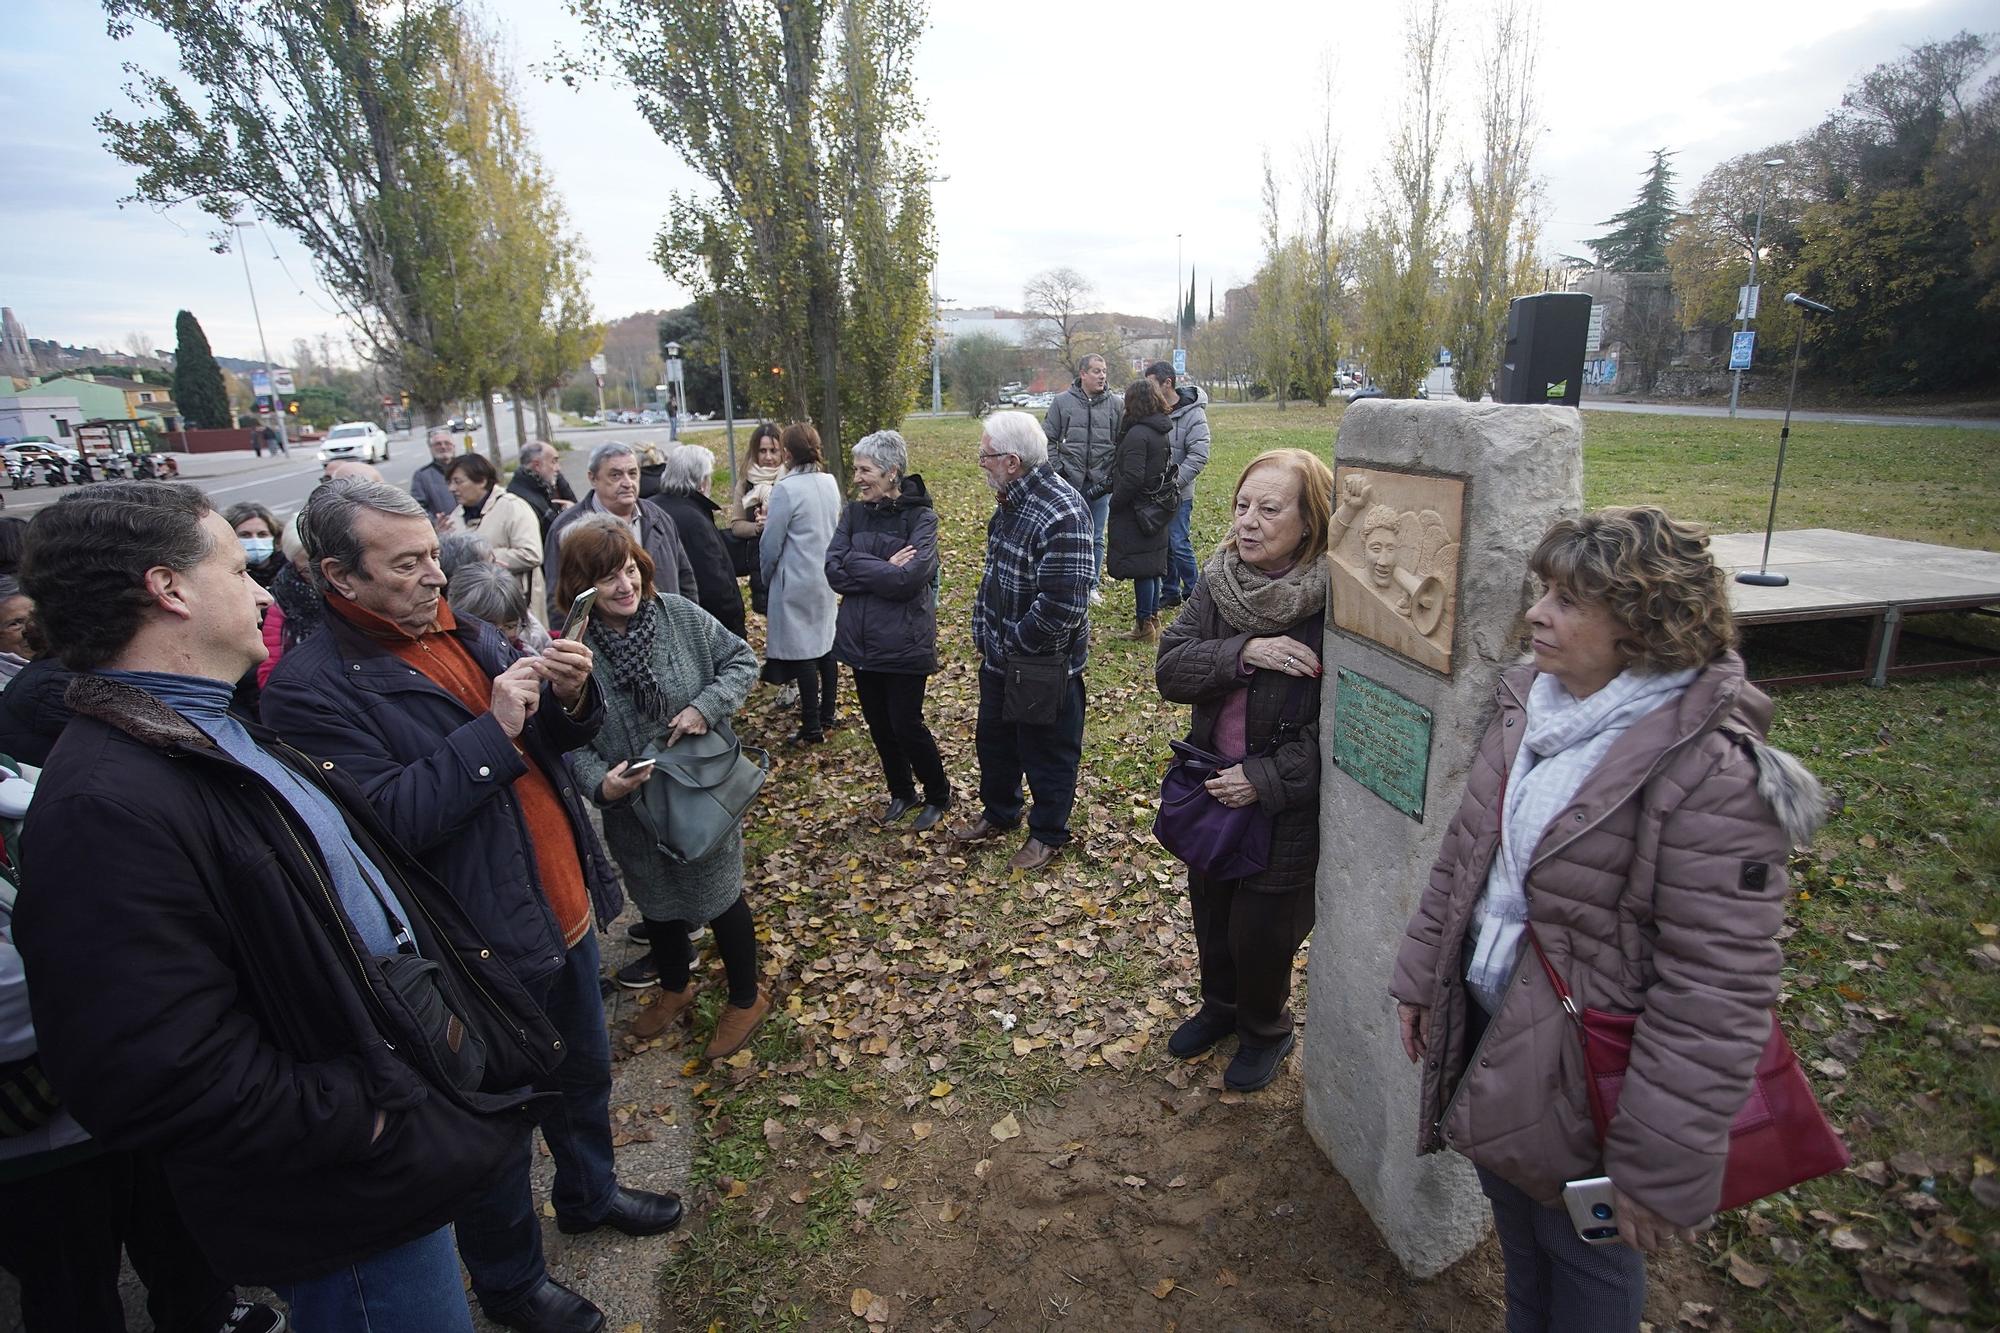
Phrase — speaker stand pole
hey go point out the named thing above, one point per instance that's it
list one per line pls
(1763, 578)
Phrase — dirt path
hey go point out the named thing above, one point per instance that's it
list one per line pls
(1121, 1186)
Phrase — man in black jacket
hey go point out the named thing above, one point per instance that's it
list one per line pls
(212, 924)
(459, 743)
(539, 481)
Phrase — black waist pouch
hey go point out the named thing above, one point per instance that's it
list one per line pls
(458, 1050)
(1033, 693)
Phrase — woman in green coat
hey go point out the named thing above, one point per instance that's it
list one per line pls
(668, 669)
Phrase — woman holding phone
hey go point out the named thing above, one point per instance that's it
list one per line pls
(1624, 818)
(668, 669)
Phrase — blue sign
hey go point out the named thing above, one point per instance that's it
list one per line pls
(260, 383)
(1180, 361)
(1741, 345)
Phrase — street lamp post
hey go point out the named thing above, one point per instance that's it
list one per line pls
(284, 435)
(1756, 248)
(1178, 311)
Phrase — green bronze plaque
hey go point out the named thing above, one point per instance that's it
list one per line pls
(1382, 741)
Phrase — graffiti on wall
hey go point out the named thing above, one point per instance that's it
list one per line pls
(1600, 372)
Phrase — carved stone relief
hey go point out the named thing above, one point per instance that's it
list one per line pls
(1395, 545)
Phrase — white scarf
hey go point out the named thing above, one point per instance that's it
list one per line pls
(1565, 741)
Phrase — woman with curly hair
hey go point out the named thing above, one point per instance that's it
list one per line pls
(1624, 819)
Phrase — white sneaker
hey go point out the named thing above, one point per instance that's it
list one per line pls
(1096, 597)
(788, 696)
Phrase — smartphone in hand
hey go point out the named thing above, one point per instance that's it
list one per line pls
(579, 615)
(1591, 1210)
(634, 767)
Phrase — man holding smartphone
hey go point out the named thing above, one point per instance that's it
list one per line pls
(459, 744)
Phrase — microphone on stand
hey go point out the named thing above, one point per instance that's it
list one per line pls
(1764, 578)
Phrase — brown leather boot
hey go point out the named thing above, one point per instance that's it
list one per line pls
(1147, 630)
(734, 1026)
(670, 1008)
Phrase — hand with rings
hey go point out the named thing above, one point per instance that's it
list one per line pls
(1278, 653)
(1231, 788)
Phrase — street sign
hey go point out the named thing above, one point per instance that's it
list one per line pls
(598, 366)
(1741, 345)
(1444, 356)
(281, 380)
(1746, 301)
(1593, 340)
(1180, 361)
(260, 384)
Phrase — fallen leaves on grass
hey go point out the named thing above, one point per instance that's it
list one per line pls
(1163, 1288)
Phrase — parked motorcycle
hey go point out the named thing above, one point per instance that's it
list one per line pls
(55, 472)
(19, 475)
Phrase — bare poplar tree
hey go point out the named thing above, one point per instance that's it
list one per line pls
(1274, 326)
(1402, 312)
(1318, 293)
(1057, 298)
(1500, 195)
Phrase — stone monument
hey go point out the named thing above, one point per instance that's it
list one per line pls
(1439, 506)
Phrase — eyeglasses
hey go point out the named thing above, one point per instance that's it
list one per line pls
(986, 457)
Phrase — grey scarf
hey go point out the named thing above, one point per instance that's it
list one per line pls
(631, 656)
(1257, 603)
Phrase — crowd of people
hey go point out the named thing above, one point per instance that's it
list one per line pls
(331, 815)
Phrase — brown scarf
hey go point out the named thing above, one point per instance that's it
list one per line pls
(1258, 603)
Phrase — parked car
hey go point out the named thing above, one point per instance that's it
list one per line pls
(1040, 402)
(1366, 391)
(356, 439)
(459, 425)
(34, 451)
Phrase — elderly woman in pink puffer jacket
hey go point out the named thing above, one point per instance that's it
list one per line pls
(1624, 807)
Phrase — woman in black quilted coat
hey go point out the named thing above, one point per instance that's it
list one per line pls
(883, 561)
(1138, 463)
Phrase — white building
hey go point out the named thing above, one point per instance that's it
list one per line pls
(31, 413)
(1014, 330)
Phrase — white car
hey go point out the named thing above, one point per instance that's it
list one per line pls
(363, 440)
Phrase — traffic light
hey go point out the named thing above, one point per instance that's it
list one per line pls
(292, 407)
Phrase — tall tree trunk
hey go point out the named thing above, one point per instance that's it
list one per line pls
(545, 430)
(492, 424)
(520, 424)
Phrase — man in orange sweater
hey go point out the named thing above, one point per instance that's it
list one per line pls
(459, 744)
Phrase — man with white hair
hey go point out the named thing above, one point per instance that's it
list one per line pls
(429, 485)
(539, 481)
(614, 490)
(1031, 624)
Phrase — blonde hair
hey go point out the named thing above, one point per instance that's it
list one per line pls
(1652, 574)
(1315, 485)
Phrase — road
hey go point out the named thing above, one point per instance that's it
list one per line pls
(282, 483)
(1753, 414)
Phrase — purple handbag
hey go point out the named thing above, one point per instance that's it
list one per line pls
(1215, 840)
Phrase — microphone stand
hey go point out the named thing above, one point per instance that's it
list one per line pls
(1763, 578)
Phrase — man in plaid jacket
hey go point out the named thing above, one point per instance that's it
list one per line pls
(1033, 601)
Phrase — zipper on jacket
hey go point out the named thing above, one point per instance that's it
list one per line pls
(494, 1005)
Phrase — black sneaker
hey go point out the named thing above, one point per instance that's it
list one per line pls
(249, 1317)
(1198, 1035)
(638, 933)
(1255, 1066)
(638, 974)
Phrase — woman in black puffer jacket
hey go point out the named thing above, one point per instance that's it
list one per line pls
(883, 561)
(1141, 510)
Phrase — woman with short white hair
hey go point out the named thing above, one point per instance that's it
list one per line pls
(686, 474)
(883, 561)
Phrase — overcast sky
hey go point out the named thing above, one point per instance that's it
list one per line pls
(1064, 146)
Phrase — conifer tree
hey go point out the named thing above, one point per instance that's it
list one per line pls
(1637, 241)
(198, 388)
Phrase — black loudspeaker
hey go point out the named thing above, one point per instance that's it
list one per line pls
(1543, 362)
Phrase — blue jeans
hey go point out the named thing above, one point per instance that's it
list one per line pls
(1146, 592)
(1183, 570)
(413, 1288)
(1100, 515)
(1046, 755)
(500, 1234)
(1555, 1279)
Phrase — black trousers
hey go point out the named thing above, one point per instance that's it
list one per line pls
(1046, 755)
(60, 1233)
(893, 705)
(818, 679)
(1247, 942)
(735, 935)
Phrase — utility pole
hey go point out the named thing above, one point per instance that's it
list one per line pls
(937, 381)
(1178, 312)
(1756, 247)
(263, 346)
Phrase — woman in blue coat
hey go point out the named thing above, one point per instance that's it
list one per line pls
(798, 633)
(883, 561)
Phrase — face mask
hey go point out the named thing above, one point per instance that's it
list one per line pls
(257, 549)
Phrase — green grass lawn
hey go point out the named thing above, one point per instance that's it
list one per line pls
(1893, 968)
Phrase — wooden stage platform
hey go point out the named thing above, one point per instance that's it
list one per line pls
(1848, 576)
